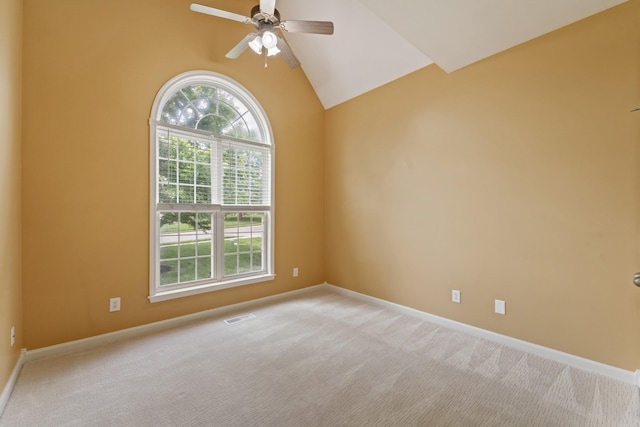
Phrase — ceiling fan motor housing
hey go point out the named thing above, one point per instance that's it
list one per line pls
(256, 11)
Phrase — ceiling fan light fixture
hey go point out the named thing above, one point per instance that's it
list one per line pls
(273, 51)
(269, 40)
(256, 45)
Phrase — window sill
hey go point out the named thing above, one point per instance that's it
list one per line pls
(210, 287)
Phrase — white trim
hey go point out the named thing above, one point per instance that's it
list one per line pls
(92, 342)
(209, 287)
(89, 343)
(11, 383)
(546, 352)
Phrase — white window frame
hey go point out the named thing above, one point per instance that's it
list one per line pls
(162, 293)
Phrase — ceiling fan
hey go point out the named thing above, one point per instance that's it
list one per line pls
(266, 18)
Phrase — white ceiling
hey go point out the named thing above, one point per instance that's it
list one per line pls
(378, 41)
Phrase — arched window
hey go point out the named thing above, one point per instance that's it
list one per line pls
(211, 187)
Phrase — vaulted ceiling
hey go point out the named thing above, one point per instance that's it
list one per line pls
(378, 41)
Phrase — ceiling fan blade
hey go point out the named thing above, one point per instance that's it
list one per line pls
(287, 54)
(315, 27)
(241, 46)
(220, 13)
(268, 6)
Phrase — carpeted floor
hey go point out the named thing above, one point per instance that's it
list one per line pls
(318, 359)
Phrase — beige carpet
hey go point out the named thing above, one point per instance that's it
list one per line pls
(320, 359)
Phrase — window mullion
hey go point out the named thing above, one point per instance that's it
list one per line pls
(216, 171)
(155, 271)
(179, 248)
(216, 179)
(244, 208)
(187, 207)
(219, 246)
(267, 245)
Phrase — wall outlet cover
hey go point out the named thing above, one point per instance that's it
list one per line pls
(455, 296)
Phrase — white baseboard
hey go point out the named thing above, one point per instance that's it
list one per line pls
(546, 352)
(8, 388)
(549, 353)
(91, 342)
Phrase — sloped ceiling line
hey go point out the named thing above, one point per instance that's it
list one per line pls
(378, 41)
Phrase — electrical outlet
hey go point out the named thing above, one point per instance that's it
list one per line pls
(13, 335)
(455, 296)
(501, 307)
(295, 272)
(114, 304)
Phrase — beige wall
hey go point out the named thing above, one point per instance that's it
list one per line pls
(515, 178)
(91, 71)
(10, 105)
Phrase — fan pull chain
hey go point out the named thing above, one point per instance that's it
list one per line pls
(265, 60)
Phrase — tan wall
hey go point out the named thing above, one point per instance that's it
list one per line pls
(10, 106)
(515, 178)
(91, 71)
